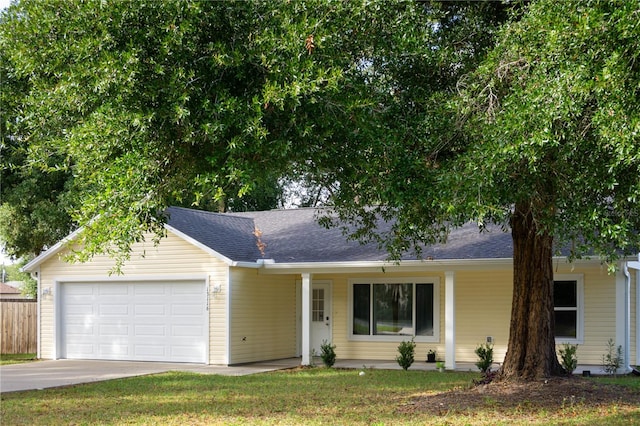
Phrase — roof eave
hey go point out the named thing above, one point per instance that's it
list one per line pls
(400, 266)
(33, 264)
(36, 261)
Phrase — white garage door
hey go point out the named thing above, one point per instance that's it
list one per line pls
(150, 321)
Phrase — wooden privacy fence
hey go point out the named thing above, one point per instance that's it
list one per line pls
(18, 326)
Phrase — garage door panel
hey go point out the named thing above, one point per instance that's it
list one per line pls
(113, 289)
(72, 290)
(155, 310)
(150, 330)
(113, 310)
(189, 310)
(186, 331)
(80, 350)
(111, 330)
(80, 330)
(152, 290)
(114, 350)
(150, 352)
(80, 309)
(157, 321)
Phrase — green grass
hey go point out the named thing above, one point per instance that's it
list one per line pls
(630, 381)
(6, 359)
(304, 396)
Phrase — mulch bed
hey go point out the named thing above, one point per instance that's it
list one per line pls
(549, 394)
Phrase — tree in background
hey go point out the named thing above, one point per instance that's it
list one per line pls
(113, 112)
(12, 272)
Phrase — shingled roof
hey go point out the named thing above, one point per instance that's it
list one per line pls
(295, 236)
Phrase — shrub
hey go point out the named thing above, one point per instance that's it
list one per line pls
(568, 358)
(612, 359)
(328, 353)
(485, 355)
(407, 352)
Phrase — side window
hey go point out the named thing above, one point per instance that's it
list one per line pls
(567, 309)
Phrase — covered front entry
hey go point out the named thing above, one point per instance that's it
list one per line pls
(133, 321)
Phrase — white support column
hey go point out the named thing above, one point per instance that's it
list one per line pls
(449, 321)
(306, 319)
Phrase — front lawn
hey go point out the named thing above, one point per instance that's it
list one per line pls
(301, 396)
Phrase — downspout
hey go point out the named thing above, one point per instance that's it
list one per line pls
(627, 317)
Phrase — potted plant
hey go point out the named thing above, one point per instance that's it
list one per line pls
(431, 356)
(440, 366)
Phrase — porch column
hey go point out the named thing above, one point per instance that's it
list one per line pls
(306, 319)
(449, 321)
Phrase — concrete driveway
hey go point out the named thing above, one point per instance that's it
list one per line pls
(49, 374)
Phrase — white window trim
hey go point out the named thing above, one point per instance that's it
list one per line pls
(579, 279)
(399, 280)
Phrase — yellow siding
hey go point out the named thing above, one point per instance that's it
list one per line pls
(173, 257)
(263, 316)
(483, 308)
(599, 315)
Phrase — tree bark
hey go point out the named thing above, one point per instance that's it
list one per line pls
(531, 353)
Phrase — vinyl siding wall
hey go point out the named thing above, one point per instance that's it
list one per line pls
(483, 308)
(174, 257)
(264, 316)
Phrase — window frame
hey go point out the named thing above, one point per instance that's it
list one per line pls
(579, 309)
(435, 281)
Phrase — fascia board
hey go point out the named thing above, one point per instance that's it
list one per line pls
(31, 266)
(403, 266)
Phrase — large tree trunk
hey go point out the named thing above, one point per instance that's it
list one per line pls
(531, 353)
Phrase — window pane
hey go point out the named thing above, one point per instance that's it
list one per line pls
(392, 309)
(565, 294)
(566, 324)
(318, 305)
(424, 309)
(361, 309)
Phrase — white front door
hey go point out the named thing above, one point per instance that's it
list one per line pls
(320, 315)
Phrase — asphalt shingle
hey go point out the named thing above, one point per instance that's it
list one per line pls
(295, 236)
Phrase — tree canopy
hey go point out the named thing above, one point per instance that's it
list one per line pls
(430, 114)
